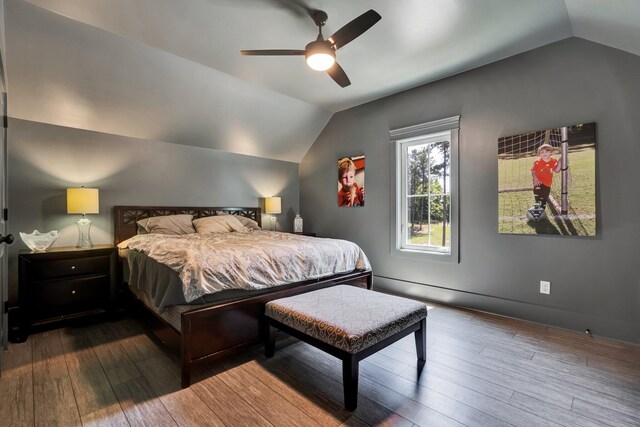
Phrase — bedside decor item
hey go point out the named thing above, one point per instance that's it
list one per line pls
(273, 206)
(83, 201)
(38, 241)
(297, 223)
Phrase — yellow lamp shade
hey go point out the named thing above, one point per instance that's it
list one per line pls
(272, 205)
(82, 200)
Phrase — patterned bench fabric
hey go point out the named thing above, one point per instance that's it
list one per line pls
(347, 317)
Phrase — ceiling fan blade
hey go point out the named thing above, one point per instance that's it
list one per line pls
(298, 7)
(272, 52)
(338, 75)
(354, 28)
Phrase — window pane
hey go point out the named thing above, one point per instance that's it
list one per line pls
(428, 169)
(417, 214)
(440, 221)
(418, 169)
(440, 168)
(429, 221)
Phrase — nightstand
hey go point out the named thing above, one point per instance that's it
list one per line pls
(305, 234)
(64, 283)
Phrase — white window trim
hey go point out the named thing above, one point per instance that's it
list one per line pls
(423, 133)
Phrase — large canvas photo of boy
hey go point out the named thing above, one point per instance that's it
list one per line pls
(547, 182)
(351, 181)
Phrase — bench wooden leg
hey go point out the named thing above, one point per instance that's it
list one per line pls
(350, 367)
(270, 343)
(421, 340)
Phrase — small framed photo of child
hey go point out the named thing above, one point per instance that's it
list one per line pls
(547, 182)
(351, 181)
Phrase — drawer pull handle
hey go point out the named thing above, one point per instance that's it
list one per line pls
(73, 292)
(73, 267)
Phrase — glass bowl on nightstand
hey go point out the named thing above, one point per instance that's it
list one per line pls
(39, 242)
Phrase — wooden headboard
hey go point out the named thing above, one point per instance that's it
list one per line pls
(127, 216)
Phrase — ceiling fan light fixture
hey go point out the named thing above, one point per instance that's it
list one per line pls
(321, 61)
(320, 56)
(320, 53)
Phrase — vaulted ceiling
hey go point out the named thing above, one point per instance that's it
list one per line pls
(171, 71)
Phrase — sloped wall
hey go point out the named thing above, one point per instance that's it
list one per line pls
(67, 73)
(595, 281)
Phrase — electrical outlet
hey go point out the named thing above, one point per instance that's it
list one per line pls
(545, 287)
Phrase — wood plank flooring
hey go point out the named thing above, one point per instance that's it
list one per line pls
(481, 370)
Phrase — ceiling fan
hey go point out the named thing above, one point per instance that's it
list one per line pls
(320, 54)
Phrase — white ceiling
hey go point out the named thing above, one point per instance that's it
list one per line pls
(195, 44)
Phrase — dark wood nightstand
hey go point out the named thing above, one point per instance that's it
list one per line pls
(64, 283)
(305, 234)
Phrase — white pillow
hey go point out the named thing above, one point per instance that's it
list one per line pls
(218, 224)
(168, 224)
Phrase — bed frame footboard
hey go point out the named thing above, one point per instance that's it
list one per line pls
(214, 332)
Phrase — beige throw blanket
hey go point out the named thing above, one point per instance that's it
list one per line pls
(207, 263)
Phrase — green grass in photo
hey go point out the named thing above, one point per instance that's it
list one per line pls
(512, 206)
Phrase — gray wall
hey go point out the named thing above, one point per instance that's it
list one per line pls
(44, 160)
(595, 281)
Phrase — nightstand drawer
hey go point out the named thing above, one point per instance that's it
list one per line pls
(44, 270)
(89, 292)
(65, 283)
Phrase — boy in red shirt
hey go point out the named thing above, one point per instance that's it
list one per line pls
(542, 174)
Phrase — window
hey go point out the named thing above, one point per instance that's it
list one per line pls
(426, 188)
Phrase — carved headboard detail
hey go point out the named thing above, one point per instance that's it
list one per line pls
(127, 216)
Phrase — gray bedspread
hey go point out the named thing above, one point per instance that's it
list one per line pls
(187, 268)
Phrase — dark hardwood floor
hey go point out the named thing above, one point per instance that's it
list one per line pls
(482, 370)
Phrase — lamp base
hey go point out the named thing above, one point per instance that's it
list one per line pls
(273, 223)
(84, 237)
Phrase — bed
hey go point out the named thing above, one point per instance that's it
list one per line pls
(215, 329)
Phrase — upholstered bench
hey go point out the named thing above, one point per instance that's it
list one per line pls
(349, 323)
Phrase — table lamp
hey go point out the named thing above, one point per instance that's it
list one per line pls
(83, 201)
(272, 205)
